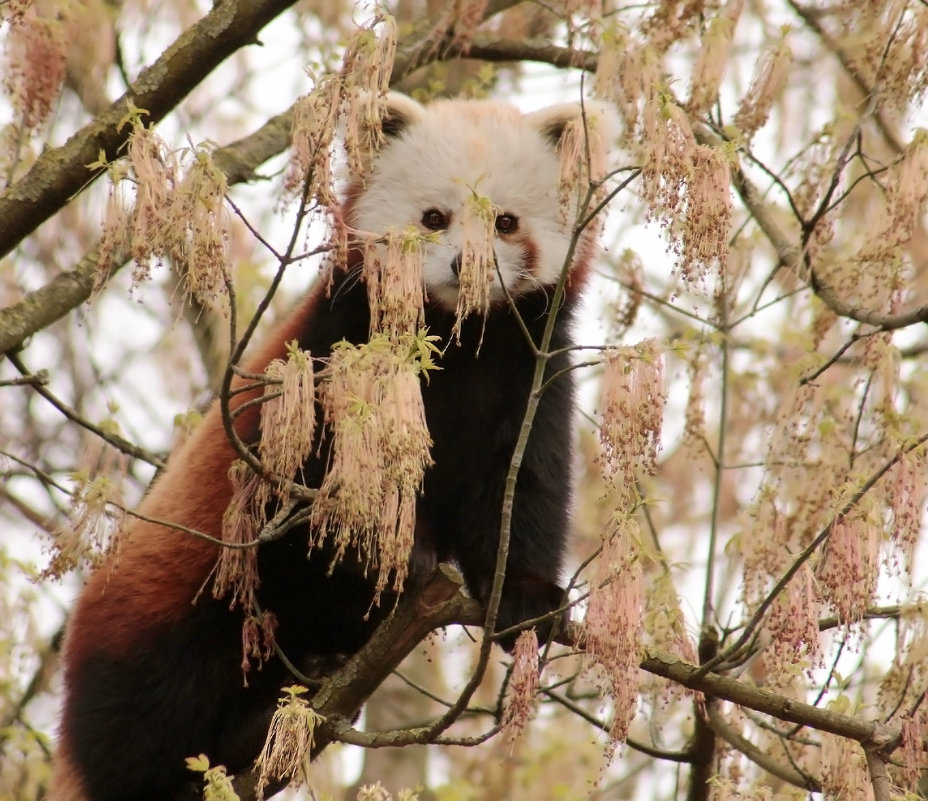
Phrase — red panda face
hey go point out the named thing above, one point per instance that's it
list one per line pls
(440, 160)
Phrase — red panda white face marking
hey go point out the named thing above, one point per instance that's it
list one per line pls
(438, 157)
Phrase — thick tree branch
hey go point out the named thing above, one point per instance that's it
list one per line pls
(879, 776)
(43, 306)
(239, 161)
(703, 744)
(495, 50)
(870, 733)
(438, 603)
(61, 173)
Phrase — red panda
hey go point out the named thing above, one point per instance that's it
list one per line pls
(152, 663)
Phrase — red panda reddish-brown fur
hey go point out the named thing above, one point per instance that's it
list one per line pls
(153, 662)
(157, 572)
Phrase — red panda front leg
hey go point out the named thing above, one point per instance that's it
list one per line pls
(537, 532)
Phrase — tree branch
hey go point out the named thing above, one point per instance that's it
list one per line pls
(752, 624)
(42, 307)
(811, 18)
(118, 442)
(879, 777)
(764, 760)
(704, 741)
(439, 602)
(869, 733)
(239, 162)
(791, 256)
(60, 173)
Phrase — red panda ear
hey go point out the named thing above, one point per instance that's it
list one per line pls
(552, 122)
(399, 112)
(395, 112)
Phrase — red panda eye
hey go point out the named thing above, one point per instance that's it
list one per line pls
(435, 220)
(507, 224)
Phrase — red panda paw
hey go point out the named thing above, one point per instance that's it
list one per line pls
(528, 598)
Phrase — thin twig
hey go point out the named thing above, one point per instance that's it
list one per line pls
(806, 554)
(115, 440)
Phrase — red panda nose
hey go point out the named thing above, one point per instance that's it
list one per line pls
(456, 265)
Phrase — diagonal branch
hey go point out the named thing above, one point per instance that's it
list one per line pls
(62, 172)
(869, 733)
(439, 602)
(736, 740)
(791, 256)
(40, 308)
(811, 17)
